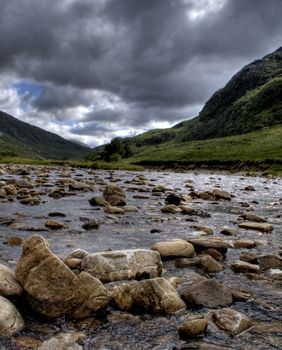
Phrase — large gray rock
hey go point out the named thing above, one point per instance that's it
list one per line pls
(174, 248)
(114, 195)
(11, 320)
(154, 296)
(9, 286)
(208, 293)
(52, 288)
(123, 264)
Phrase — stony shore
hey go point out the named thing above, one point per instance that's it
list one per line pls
(123, 260)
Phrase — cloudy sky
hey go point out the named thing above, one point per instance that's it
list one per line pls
(91, 70)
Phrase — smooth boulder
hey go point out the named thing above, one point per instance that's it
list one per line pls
(175, 248)
(9, 286)
(11, 320)
(123, 264)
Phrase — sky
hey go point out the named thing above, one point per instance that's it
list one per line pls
(92, 70)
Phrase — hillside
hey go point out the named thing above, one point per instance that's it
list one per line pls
(250, 101)
(21, 139)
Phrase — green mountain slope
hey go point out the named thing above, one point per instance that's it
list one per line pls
(250, 101)
(24, 140)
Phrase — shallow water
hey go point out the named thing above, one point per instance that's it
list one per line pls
(117, 330)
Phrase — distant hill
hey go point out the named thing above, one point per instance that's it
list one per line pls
(21, 139)
(250, 101)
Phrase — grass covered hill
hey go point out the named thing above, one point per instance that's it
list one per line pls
(19, 139)
(240, 122)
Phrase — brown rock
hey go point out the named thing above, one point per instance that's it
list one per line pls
(114, 210)
(52, 288)
(242, 266)
(175, 248)
(54, 225)
(219, 194)
(231, 321)
(205, 243)
(192, 328)
(208, 293)
(253, 217)
(9, 286)
(171, 208)
(256, 226)
(213, 253)
(98, 201)
(270, 261)
(228, 231)
(114, 195)
(244, 243)
(154, 296)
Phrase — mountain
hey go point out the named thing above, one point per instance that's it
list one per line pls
(21, 139)
(251, 102)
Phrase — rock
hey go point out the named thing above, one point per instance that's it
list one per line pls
(23, 183)
(208, 230)
(130, 209)
(114, 210)
(275, 274)
(174, 248)
(242, 266)
(208, 264)
(203, 346)
(192, 328)
(73, 263)
(249, 257)
(14, 241)
(52, 288)
(63, 341)
(98, 201)
(154, 296)
(215, 242)
(123, 264)
(159, 188)
(252, 217)
(231, 321)
(269, 261)
(11, 320)
(54, 225)
(77, 254)
(91, 224)
(219, 194)
(206, 196)
(78, 186)
(194, 211)
(256, 226)
(10, 190)
(171, 208)
(244, 243)
(114, 195)
(9, 286)
(205, 262)
(30, 201)
(208, 293)
(249, 188)
(228, 231)
(215, 254)
(173, 198)
(57, 213)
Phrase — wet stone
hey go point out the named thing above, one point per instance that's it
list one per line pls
(192, 328)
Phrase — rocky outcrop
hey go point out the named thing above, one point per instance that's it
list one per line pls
(11, 320)
(154, 296)
(123, 264)
(52, 288)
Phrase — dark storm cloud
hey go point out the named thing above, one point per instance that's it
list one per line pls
(156, 56)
